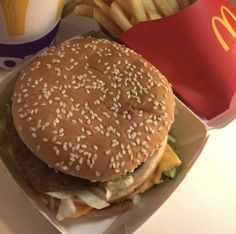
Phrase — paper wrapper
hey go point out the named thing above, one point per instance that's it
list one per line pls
(196, 50)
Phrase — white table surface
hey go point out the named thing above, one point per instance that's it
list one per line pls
(205, 202)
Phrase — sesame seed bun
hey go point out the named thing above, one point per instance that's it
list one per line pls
(44, 179)
(92, 108)
(140, 176)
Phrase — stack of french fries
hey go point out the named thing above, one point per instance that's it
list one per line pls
(117, 16)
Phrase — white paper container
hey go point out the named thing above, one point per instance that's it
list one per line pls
(190, 141)
(191, 133)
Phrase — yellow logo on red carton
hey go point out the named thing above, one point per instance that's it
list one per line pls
(223, 20)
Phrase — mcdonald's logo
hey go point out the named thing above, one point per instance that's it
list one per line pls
(224, 21)
(15, 12)
(60, 5)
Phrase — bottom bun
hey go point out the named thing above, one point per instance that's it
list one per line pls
(113, 209)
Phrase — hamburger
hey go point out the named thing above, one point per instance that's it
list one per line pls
(89, 127)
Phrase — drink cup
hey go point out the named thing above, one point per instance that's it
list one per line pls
(26, 28)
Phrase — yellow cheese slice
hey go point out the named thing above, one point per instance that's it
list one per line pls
(169, 160)
(81, 209)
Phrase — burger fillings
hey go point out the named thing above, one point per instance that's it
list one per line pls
(98, 114)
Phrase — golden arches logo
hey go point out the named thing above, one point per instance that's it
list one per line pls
(223, 20)
(60, 5)
(15, 14)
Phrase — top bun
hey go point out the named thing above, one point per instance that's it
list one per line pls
(92, 108)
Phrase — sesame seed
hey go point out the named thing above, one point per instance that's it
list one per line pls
(95, 156)
(88, 162)
(65, 168)
(137, 141)
(64, 147)
(81, 160)
(54, 139)
(89, 133)
(84, 146)
(143, 143)
(95, 147)
(148, 138)
(144, 151)
(29, 119)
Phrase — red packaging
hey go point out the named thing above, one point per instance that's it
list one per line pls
(196, 50)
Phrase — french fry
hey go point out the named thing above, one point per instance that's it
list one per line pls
(183, 3)
(70, 6)
(108, 2)
(119, 17)
(164, 7)
(133, 20)
(103, 7)
(174, 5)
(127, 6)
(138, 9)
(151, 10)
(84, 10)
(105, 22)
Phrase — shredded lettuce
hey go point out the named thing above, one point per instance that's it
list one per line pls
(173, 143)
(136, 200)
(66, 209)
(91, 199)
(60, 194)
(171, 172)
(83, 195)
(103, 192)
(120, 183)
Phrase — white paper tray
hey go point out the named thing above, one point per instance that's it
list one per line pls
(191, 134)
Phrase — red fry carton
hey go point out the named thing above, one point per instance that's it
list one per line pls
(196, 50)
